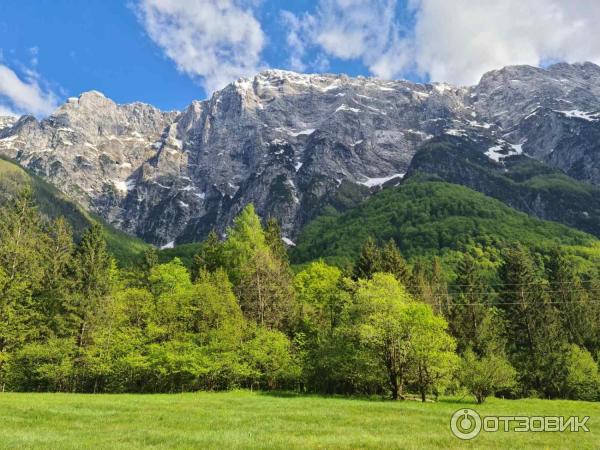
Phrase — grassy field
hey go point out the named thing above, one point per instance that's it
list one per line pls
(255, 420)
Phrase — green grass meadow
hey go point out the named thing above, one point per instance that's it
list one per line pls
(263, 421)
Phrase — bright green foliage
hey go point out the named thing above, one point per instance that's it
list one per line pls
(385, 328)
(169, 278)
(433, 357)
(321, 299)
(582, 378)
(262, 279)
(473, 321)
(333, 360)
(244, 239)
(427, 218)
(46, 366)
(269, 355)
(218, 319)
(53, 205)
(486, 375)
(72, 321)
(410, 342)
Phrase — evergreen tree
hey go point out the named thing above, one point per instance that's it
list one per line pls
(209, 257)
(419, 285)
(474, 323)
(245, 238)
(273, 239)
(24, 253)
(57, 294)
(149, 260)
(570, 299)
(93, 274)
(368, 262)
(439, 288)
(393, 262)
(535, 336)
(265, 290)
(23, 245)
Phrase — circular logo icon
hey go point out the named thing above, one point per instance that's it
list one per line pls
(465, 424)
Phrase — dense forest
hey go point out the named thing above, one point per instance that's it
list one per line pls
(504, 319)
(427, 217)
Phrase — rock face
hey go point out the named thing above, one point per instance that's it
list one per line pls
(6, 122)
(293, 143)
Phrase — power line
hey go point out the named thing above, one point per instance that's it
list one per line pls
(526, 303)
(533, 283)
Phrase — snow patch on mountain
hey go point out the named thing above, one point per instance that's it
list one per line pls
(503, 150)
(577, 114)
(378, 181)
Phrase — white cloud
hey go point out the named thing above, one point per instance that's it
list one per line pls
(365, 30)
(295, 40)
(455, 41)
(217, 40)
(458, 41)
(350, 29)
(24, 96)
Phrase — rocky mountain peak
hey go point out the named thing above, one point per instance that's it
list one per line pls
(6, 122)
(292, 143)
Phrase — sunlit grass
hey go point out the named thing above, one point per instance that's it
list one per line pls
(255, 420)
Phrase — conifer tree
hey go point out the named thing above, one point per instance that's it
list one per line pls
(273, 239)
(244, 239)
(473, 321)
(368, 262)
(439, 288)
(150, 259)
(23, 265)
(57, 294)
(93, 273)
(393, 262)
(537, 341)
(265, 290)
(570, 298)
(209, 257)
(419, 285)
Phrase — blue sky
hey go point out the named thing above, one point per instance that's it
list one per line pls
(169, 52)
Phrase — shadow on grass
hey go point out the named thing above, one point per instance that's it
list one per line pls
(301, 395)
(466, 400)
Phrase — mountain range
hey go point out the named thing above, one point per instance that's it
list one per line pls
(298, 145)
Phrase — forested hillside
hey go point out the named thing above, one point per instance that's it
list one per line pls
(428, 218)
(515, 179)
(52, 205)
(511, 320)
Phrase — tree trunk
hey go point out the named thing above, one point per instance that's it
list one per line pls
(394, 385)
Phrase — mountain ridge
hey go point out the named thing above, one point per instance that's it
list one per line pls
(293, 144)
